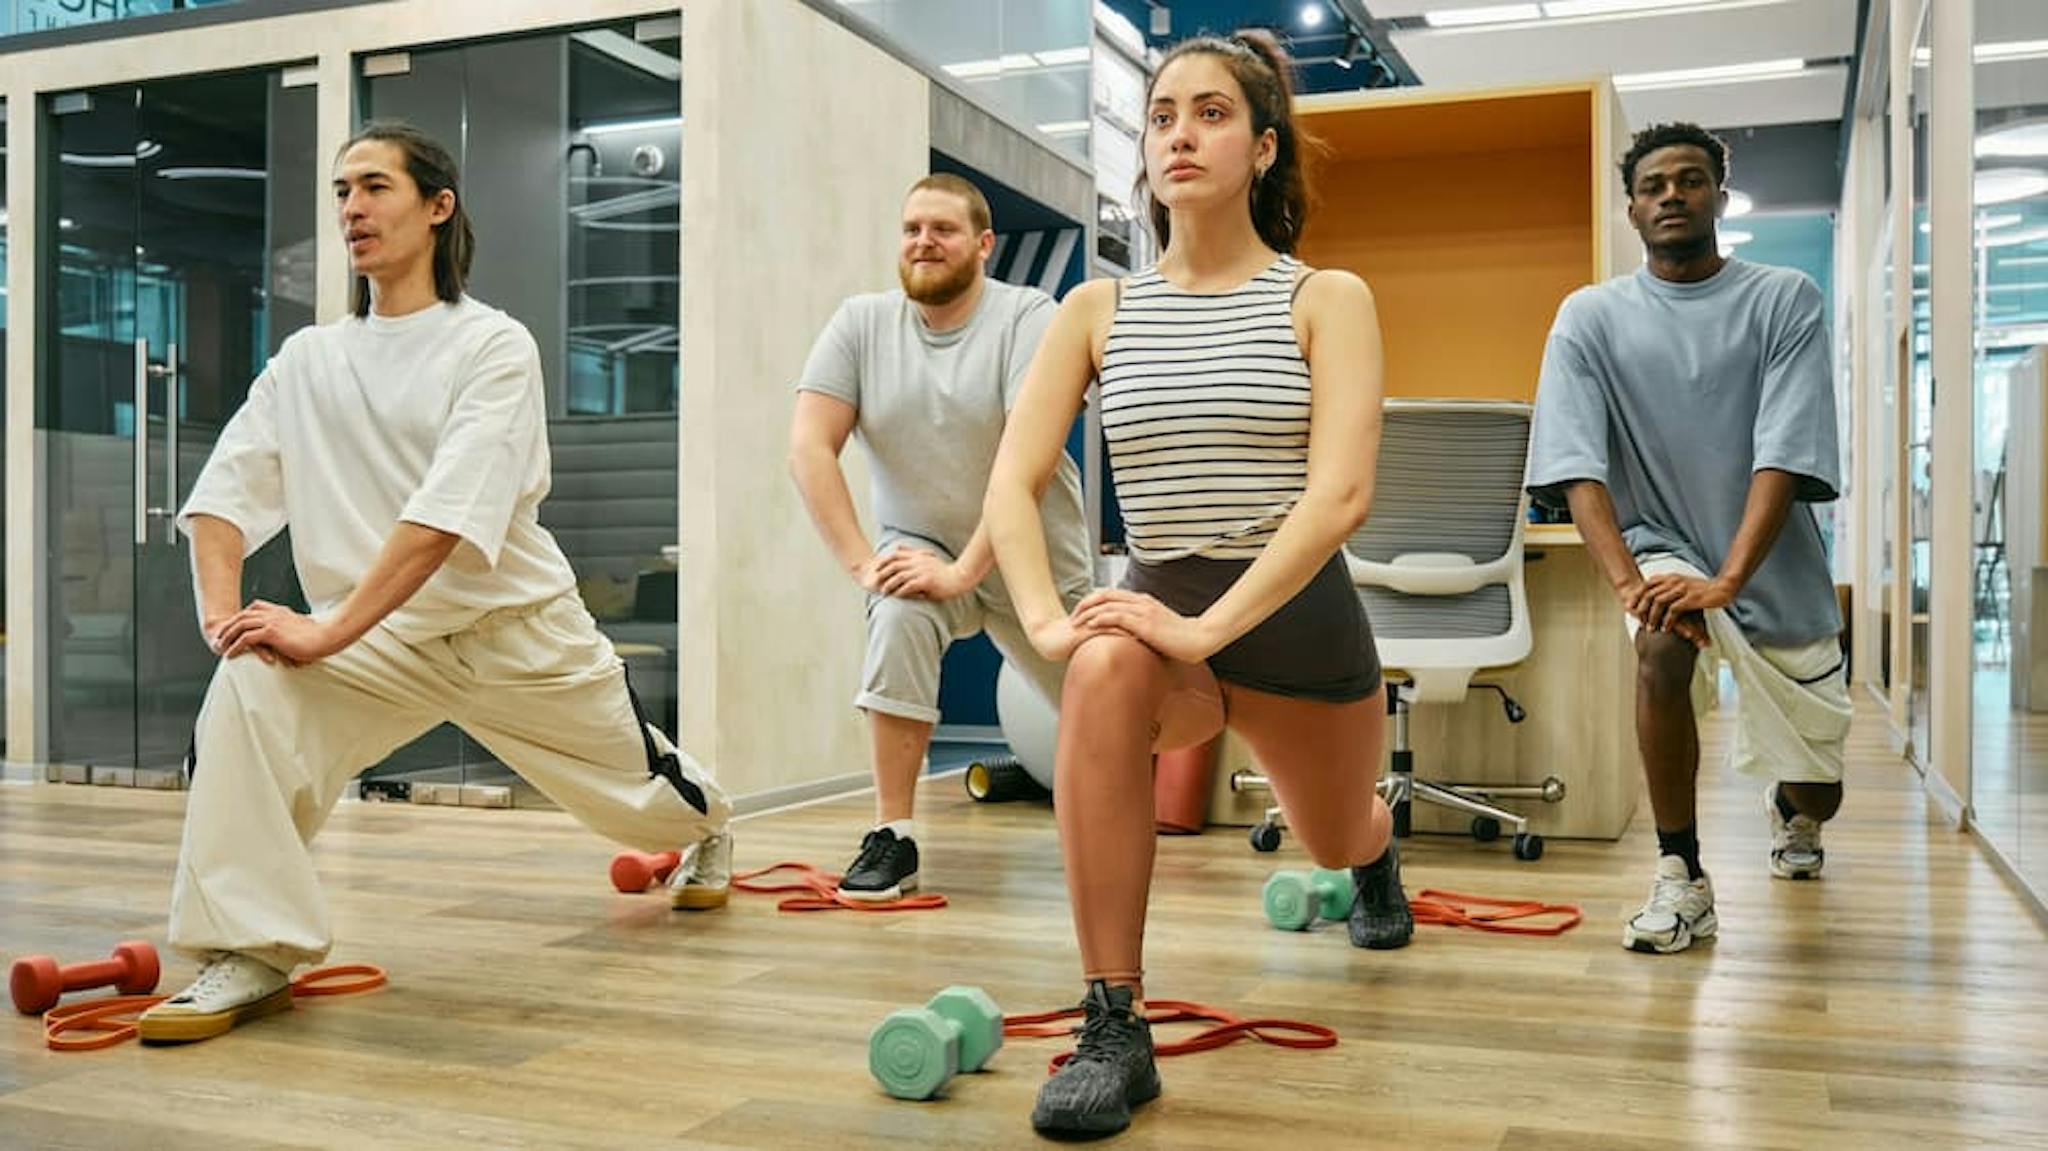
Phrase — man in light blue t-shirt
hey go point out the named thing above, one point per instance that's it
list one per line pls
(1686, 416)
(925, 377)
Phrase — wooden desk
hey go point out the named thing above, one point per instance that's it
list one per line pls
(1578, 687)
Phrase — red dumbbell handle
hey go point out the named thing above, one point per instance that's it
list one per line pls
(94, 973)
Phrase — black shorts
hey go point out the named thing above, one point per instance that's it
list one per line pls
(1318, 645)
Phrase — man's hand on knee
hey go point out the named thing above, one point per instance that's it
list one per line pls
(270, 630)
(913, 573)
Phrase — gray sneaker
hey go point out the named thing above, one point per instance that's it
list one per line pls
(703, 880)
(1111, 1071)
(1795, 842)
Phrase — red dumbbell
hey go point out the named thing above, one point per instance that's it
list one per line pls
(36, 982)
(637, 870)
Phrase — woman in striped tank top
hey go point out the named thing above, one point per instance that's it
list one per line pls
(1240, 397)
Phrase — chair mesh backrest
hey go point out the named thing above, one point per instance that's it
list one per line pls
(1449, 480)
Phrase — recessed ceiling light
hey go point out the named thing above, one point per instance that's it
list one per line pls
(1312, 15)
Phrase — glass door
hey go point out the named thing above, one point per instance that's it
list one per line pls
(181, 216)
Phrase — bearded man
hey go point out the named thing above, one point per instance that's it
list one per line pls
(926, 376)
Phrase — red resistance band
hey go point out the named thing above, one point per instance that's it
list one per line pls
(1455, 909)
(1224, 1029)
(819, 891)
(113, 1018)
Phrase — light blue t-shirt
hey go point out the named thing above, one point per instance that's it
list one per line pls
(1672, 395)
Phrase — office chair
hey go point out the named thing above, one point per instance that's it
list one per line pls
(1438, 566)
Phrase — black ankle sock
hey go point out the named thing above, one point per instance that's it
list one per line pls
(1683, 843)
(1785, 808)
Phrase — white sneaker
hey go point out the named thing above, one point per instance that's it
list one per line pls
(1795, 842)
(703, 880)
(1680, 911)
(231, 989)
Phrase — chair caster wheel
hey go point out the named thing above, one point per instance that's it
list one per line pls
(1528, 846)
(1265, 837)
(1485, 828)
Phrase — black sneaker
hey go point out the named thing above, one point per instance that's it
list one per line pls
(885, 869)
(1380, 918)
(1111, 1071)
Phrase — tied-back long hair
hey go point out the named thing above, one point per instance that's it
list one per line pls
(1279, 201)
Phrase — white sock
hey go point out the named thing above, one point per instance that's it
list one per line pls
(903, 828)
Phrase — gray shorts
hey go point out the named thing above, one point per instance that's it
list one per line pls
(1318, 645)
(907, 638)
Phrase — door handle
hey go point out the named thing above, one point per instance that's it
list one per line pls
(168, 370)
(141, 441)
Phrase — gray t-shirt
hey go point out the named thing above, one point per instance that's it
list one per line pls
(931, 410)
(1672, 395)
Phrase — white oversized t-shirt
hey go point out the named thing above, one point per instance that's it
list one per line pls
(435, 418)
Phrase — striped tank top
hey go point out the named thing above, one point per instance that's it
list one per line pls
(1205, 406)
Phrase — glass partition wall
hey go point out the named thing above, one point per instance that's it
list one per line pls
(2009, 546)
(180, 217)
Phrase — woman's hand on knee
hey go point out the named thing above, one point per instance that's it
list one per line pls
(1057, 637)
(1148, 621)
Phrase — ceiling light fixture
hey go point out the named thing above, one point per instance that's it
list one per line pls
(2026, 138)
(1993, 53)
(201, 173)
(1703, 77)
(1490, 14)
(1566, 9)
(1349, 51)
(2004, 185)
(1312, 14)
(603, 126)
(1498, 17)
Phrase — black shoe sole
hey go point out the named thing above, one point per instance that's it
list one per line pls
(904, 886)
(1085, 1125)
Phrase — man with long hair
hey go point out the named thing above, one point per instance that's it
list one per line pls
(405, 446)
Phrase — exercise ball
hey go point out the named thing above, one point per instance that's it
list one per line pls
(1030, 723)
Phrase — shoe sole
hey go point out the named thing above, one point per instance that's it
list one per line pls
(1708, 926)
(883, 895)
(1094, 1124)
(1783, 872)
(1387, 943)
(698, 897)
(191, 1027)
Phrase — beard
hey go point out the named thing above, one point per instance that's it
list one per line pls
(937, 285)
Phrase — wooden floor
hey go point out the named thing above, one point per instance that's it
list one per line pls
(1900, 1003)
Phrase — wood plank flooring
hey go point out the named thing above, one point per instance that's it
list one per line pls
(1902, 1002)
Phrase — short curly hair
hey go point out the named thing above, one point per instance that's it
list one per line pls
(1664, 136)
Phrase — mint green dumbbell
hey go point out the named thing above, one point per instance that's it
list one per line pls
(1295, 899)
(914, 1052)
